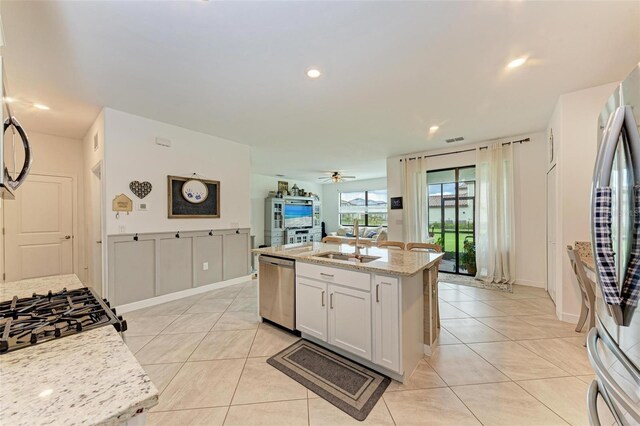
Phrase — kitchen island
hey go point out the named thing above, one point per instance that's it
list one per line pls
(379, 309)
(86, 378)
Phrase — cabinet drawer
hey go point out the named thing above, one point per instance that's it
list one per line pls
(359, 280)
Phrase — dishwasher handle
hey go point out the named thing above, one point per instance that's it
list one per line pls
(277, 261)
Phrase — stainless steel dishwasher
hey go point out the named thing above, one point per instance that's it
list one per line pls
(278, 290)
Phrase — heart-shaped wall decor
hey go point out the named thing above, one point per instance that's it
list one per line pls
(140, 189)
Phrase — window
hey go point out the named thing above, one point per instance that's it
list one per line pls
(369, 207)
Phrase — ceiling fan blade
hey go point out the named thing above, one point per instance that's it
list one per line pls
(348, 177)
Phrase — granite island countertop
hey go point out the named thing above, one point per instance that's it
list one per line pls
(390, 261)
(86, 378)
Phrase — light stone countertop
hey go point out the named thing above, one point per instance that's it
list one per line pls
(86, 378)
(391, 261)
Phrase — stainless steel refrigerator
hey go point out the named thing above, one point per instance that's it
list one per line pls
(614, 344)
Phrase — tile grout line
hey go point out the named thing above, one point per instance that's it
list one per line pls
(514, 381)
(541, 402)
(240, 377)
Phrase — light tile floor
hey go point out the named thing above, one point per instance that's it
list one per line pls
(503, 359)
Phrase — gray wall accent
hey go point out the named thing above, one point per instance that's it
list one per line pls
(160, 263)
(208, 249)
(175, 269)
(134, 269)
(234, 266)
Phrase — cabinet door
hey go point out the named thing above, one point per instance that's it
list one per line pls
(350, 320)
(386, 323)
(311, 308)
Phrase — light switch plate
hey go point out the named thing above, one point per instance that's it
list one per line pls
(205, 266)
(142, 206)
(122, 229)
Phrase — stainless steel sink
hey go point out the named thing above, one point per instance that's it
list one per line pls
(349, 257)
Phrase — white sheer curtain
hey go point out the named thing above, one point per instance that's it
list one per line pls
(414, 195)
(495, 227)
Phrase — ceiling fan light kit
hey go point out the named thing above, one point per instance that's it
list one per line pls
(336, 177)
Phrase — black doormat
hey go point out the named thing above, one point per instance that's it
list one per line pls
(349, 386)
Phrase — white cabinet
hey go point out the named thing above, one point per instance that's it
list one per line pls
(350, 320)
(362, 314)
(386, 322)
(311, 307)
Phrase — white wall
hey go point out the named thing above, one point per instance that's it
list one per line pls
(95, 253)
(331, 201)
(132, 154)
(59, 156)
(575, 130)
(260, 187)
(529, 189)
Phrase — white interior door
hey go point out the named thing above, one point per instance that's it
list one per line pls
(551, 232)
(38, 228)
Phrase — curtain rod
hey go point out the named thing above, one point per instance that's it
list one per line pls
(520, 141)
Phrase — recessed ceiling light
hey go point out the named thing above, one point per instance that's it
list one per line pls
(41, 106)
(517, 62)
(433, 128)
(313, 73)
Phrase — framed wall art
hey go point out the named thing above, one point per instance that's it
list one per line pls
(193, 198)
(283, 187)
(396, 203)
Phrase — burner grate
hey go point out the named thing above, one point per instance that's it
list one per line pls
(40, 318)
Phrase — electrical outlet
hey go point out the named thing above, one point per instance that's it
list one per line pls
(122, 229)
(205, 266)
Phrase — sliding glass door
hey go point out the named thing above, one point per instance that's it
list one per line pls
(451, 213)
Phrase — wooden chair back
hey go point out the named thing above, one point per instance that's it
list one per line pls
(364, 243)
(337, 240)
(587, 286)
(392, 244)
(424, 247)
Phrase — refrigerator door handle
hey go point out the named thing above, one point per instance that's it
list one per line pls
(610, 387)
(607, 152)
(592, 404)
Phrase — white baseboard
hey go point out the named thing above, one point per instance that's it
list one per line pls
(179, 295)
(427, 350)
(570, 318)
(529, 283)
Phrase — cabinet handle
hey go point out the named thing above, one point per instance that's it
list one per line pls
(331, 300)
(326, 275)
(322, 298)
(378, 293)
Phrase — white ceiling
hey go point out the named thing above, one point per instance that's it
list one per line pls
(391, 70)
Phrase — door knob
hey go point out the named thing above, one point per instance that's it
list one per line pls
(67, 237)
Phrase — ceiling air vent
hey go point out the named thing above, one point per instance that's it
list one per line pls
(458, 139)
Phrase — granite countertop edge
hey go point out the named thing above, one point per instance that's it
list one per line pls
(308, 253)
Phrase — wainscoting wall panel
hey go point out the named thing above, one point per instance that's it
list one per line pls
(176, 265)
(132, 271)
(159, 263)
(208, 249)
(234, 266)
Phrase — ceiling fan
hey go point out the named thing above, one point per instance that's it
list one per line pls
(336, 177)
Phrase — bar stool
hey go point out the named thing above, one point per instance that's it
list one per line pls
(362, 243)
(392, 244)
(587, 290)
(337, 240)
(436, 248)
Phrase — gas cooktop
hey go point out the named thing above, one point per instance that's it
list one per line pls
(40, 318)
